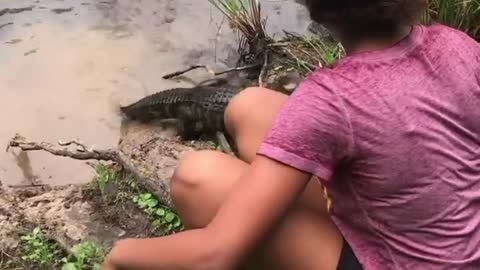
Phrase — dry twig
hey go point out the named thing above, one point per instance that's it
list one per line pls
(178, 73)
(214, 73)
(81, 153)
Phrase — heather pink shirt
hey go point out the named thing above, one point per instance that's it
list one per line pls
(395, 136)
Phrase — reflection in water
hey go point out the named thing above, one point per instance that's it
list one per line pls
(23, 162)
(63, 75)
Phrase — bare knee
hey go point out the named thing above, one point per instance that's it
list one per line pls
(200, 183)
(247, 104)
(187, 177)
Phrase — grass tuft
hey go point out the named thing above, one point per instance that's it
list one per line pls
(246, 17)
(39, 251)
(304, 54)
(85, 255)
(463, 15)
(104, 174)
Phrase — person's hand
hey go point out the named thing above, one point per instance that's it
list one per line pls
(113, 260)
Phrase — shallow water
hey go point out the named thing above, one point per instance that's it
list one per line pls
(63, 75)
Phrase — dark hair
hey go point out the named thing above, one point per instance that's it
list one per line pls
(366, 16)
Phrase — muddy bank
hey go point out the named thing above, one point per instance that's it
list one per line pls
(101, 213)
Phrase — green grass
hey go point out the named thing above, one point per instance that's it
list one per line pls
(104, 174)
(245, 16)
(461, 14)
(39, 251)
(85, 255)
(304, 54)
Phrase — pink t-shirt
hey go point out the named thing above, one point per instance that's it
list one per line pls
(395, 136)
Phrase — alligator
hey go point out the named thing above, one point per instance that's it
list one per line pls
(198, 110)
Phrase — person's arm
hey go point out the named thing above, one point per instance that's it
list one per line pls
(258, 201)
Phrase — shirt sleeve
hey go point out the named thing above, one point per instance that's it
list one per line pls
(311, 131)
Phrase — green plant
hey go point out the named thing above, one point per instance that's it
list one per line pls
(36, 249)
(461, 14)
(161, 215)
(104, 174)
(85, 255)
(306, 53)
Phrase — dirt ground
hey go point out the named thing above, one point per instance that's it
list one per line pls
(73, 213)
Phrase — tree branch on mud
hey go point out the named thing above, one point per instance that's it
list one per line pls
(81, 153)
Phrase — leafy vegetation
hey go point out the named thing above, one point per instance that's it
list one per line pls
(39, 251)
(163, 218)
(461, 14)
(104, 174)
(162, 215)
(85, 255)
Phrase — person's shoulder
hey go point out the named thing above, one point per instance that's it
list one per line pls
(324, 77)
(447, 34)
(443, 39)
(322, 85)
(320, 80)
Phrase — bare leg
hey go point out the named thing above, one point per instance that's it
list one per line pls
(249, 117)
(306, 239)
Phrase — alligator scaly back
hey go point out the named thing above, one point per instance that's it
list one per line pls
(202, 106)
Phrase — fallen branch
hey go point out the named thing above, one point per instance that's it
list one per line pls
(214, 73)
(236, 69)
(178, 73)
(81, 153)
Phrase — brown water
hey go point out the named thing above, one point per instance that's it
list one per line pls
(63, 75)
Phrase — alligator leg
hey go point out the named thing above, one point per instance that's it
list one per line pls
(189, 129)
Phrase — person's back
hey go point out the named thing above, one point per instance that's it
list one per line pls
(408, 188)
